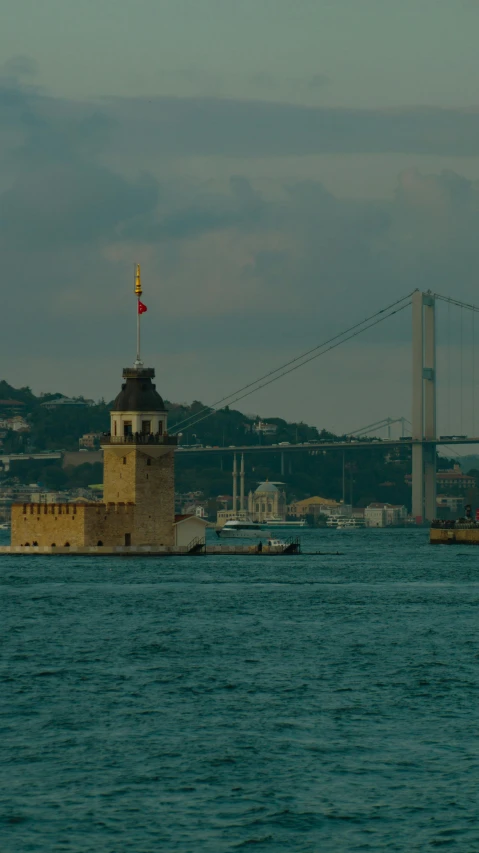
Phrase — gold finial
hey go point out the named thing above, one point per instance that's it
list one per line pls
(138, 290)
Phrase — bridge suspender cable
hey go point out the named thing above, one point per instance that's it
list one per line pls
(303, 359)
(303, 355)
(473, 309)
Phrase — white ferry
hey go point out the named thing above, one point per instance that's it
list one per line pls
(236, 529)
(349, 523)
(275, 521)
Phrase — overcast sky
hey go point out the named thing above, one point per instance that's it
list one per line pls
(280, 169)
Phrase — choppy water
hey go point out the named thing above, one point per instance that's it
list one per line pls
(213, 704)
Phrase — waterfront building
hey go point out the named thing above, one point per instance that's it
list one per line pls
(385, 515)
(138, 507)
(317, 506)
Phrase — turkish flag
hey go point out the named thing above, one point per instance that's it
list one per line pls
(141, 308)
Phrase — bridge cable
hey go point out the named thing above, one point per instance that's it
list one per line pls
(457, 302)
(311, 358)
(214, 405)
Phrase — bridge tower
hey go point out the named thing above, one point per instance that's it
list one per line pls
(424, 406)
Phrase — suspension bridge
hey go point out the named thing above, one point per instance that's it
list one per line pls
(420, 433)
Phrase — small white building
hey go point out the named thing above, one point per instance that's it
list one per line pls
(385, 515)
(90, 440)
(189, 527)
(48, 498)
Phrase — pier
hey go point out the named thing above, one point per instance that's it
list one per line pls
(198, 549)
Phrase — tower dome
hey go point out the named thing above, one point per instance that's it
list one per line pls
(138, 410)
(138, 393)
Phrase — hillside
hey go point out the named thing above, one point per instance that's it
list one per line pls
(371, 474)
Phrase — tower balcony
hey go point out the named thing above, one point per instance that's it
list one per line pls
(138, 439)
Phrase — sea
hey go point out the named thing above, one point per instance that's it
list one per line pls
(322, 702)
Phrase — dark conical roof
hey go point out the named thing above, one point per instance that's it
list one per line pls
(138, 393)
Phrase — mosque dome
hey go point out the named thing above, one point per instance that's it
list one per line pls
(266, 487)
(138, 393)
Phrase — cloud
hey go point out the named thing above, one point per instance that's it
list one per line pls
(208, 126)
(236, 271)
(20, 66)
(317, 81)
(241, 128)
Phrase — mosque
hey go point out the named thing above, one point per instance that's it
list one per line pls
(266, 502)
(138, 507)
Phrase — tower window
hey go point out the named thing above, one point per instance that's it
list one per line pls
(146, 427)
(160, 428)
(127, 428)
(148, 461)
(124, 460)
(114, 427)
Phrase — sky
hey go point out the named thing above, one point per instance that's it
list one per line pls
(280, 170)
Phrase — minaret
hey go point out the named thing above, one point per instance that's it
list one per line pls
(235, 486)
(242, 484)
(139, 453)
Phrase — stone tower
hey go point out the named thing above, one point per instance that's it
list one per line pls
(139, 459)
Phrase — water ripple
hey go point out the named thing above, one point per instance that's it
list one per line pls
(305, 704)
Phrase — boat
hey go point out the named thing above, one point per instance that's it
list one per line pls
(5, 525)
(350, 524)
(241, 529)
(275, 521)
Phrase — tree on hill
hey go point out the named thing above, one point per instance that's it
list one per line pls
(23, 395)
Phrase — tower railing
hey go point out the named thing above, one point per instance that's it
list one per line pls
(139, 438)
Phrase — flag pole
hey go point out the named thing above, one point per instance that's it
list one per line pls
(138, 292)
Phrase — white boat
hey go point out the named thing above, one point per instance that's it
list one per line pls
(276, 544)
(275, 521)
(5, 525)
(350, 524)
(241, 529)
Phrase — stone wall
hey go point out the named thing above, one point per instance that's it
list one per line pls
(146, 477)
(74, 525)
(109, 524)
(155, 499)
(119, 472)
(48, 524)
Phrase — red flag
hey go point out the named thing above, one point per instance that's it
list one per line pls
(141, 308)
